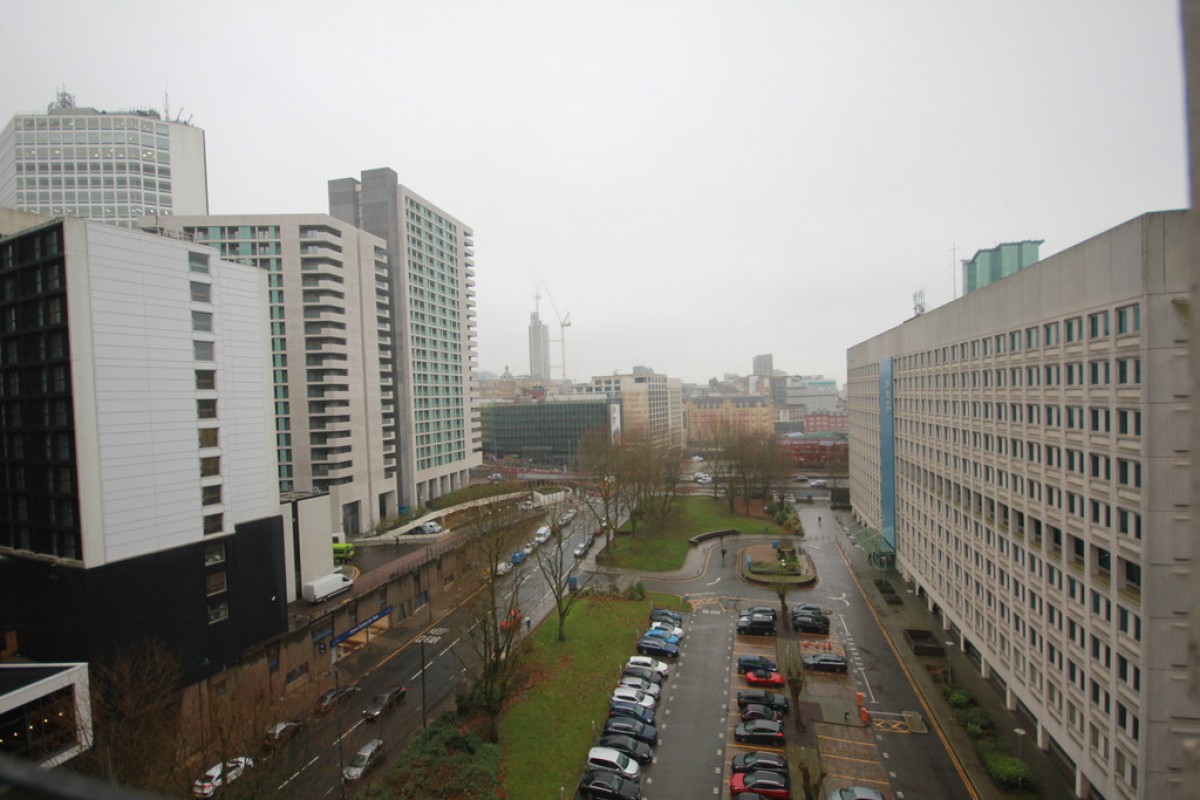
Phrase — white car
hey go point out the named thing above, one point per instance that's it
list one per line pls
(543, 535)
(220, 775)
(817, 484)
(646, 662)
(503, 568)
(626, 695)
(668, 627)
(610, 759)
(641, 684)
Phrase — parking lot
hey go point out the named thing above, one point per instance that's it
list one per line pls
(848, 747)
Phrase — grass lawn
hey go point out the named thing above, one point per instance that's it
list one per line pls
(660, 550)
(546, 732)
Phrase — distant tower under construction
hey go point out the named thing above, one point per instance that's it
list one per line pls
(539, 345)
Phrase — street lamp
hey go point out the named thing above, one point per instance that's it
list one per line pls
(949, 666)
(1020, 732)
(337, 684)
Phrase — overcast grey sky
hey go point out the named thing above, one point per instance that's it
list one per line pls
(694, 182)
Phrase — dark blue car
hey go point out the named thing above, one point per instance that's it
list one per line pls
(657, 647)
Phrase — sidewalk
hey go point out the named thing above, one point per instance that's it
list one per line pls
(912, 613)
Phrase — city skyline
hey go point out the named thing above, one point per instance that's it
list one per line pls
(630, 169)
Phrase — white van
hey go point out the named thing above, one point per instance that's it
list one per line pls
(325, 587)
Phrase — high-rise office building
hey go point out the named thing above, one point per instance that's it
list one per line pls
(333, 386)
(111, 166)
(764, 366)
(539, 348)
(432, 315)
(990, 265)
(136, 472)
(1020, 452)
(651, 405)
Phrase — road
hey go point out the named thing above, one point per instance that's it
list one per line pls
(431, 667)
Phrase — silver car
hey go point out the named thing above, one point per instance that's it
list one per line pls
(367, 757)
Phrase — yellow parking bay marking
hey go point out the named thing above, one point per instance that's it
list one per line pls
(874, 761)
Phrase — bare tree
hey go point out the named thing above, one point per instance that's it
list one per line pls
(599, 462)
(555, 561)
(136, 718)
(495, 613)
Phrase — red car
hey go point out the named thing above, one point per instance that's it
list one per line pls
(761, 677)
(763, 784)
(512, 621)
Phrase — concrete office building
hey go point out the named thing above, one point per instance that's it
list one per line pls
(1022, 452)
(136, 461)
(708, 418)
(111, 166)
(651, 404)
(333, 385)
(812, 393)
(539, 348)
(432, 307)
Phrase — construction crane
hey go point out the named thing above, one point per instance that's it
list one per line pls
(564, 322)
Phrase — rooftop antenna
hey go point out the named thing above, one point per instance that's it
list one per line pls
(919, 304)
(954, 270)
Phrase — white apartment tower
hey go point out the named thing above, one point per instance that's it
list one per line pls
(110, 166)
(136, 477)
(432, 315)
(333, 385)
(1024, 453)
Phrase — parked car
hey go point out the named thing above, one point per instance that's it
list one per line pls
(384, 702)
(756, 711)
(628, 726)
(762, 677)
(658, 633)
(641, 684)
(331, 698)
(624, 694)
(614, 761)
(367, 757)
(756, 625)
(762, 697)
(543, 535)
(808, 608)
(651, 676)
(645, 662)
(639, 751)
(279, 733)
(773, 785)
(623, 708)
(603, 783)
(764, 610)
(503, 568)
(760, 731)
(657, 647)
(818, 483)
(670, 628)
(221, 775)
(758, 760)
(566, 517)
(810, 623)
(826, 662)
(748, 663)
(665, 615)
(580, 551)
(856, 793)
